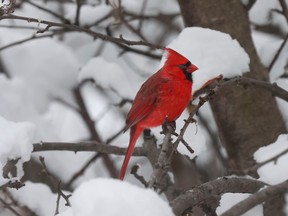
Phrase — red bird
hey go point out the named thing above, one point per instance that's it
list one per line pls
(165, 94)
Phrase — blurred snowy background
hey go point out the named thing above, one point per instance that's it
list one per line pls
(63, 83)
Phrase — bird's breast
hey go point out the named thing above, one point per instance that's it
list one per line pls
(173, 97)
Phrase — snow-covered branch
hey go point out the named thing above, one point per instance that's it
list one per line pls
(216, 187)
(257, 198)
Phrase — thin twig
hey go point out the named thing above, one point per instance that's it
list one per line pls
(134, 171)
(250, 4)
(78, 8)
(284, 9)
(65, 197)
(276, 56)
(105, 17)
(257, 166)
(94, 134)
(144, 5)
(119, 15)
(119, 40)
(83, 169)
(19, 27)
(33, 37)
(58, 16)
(55, 183)
(214, 141)
(187, 146)
(57, 204)
(190, 119)
(6, 205)
(114, 136)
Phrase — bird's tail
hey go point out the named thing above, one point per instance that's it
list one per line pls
(135, 132)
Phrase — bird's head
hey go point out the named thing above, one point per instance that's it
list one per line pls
(176, 59)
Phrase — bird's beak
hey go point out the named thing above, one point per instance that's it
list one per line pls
(192, 68)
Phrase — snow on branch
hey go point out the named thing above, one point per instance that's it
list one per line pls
(216, 187)
(257, 198)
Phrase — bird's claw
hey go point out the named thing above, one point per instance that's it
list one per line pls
(169, 127)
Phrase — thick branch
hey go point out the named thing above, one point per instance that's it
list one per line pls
(273, 88)
(85, 146)
(161, 166)
(257, 198)
(216, 187)
(246, 82)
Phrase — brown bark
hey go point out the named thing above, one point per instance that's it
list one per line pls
(246, 118)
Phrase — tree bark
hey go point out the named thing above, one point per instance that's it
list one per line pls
(246, 118)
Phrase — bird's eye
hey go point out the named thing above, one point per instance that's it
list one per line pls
(188, 64)
(185, 66)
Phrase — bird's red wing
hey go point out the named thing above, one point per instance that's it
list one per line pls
(145, 99)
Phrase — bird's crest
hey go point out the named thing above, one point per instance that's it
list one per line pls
(174, 57)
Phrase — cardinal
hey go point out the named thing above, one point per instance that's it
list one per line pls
(162, 97)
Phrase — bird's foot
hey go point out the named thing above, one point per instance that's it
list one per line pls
(169, 126)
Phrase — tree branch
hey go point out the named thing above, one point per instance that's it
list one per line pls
(72, 27)
(273, 88)
(276, 56)
(78, 8)
(257, 166)
(85, 146)
(94, 134)
(216, 187)
(83, 169)
(161, 166)
(152, 153)
(58, 16)
(33, 37)
(257, 198)
(284, 9)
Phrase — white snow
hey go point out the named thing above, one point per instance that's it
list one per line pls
(152, 7)
(16, 102)
(39, 198)
(213, 52)
(262, 14)
(47, 68)
(230, 199)
(51, 72)
(273, 172)
(110, 197)
(15, 141)
(267, 53)
(108, 75)
(66, 123)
